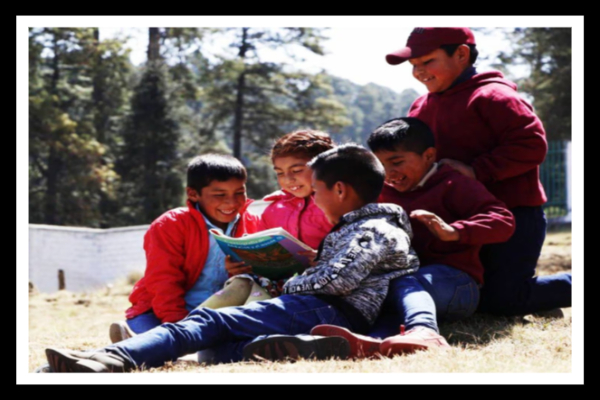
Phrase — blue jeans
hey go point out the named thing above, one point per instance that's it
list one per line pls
(433, 293)
(205, 328)
(510, 287)
(143, 322)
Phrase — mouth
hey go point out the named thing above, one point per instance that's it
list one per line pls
(397, 181)
(228, 212)
(294, 188)
(426, 79)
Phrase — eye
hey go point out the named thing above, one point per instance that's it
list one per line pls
(219, 195)
(297, 171)
(278, 173)
(397, 163)
(241, 194)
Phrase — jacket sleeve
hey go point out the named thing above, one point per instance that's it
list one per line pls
(342, 274)
(519, 134)
(165, 277)
(484, 218)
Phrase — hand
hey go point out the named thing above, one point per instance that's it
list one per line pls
(236, 268)
(311, 255)
(461, 167)
(436, 225)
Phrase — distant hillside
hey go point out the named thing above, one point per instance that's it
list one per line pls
(368, 107)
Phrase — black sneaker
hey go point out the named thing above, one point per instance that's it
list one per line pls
(61, 360)
(284, 347)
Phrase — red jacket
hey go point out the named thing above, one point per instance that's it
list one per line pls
(465, 204)
(300, 217)
(176, 246)
(484, 123)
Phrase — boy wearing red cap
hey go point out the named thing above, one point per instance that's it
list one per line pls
(486, 131)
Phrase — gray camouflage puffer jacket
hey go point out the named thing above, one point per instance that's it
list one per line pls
(357, 261)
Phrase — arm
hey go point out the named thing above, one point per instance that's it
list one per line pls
(165, 277)
(353, 262)
(483, 218)
(519, 133)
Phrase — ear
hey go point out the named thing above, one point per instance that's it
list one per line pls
(340, 189)
(430, 154)
(463, 53)
(192, 194)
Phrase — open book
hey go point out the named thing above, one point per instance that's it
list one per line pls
(272, 253)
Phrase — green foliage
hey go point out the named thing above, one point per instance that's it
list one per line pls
(547, 51)
(254, 101)
(69, 170)
(148, 163)
(369, 106)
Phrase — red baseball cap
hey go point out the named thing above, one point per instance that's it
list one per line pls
(425, 40)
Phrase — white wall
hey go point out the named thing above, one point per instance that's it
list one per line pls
(90, 258)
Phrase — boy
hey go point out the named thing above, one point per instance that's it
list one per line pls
(184, 264)
(455, 216)
(487, 132)
(368, 246)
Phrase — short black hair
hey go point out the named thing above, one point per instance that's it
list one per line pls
(451, 48)
(354, 165)
(410, 133)
(204, 169)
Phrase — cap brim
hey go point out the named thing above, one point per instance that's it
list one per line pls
(406, 53)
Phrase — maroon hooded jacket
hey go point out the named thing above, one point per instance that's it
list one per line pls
(484, 123)
(463, 203)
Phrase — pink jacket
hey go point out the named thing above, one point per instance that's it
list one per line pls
(299, 216)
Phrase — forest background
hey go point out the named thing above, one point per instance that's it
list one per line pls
(109, 140)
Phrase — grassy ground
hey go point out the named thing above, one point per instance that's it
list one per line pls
(480, 344)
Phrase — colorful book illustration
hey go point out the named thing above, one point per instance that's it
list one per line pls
(272, 253)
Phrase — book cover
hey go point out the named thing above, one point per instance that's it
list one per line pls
(272, 253)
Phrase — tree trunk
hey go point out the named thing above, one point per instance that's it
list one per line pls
(153, 44)
(50, 213)
(239, 103)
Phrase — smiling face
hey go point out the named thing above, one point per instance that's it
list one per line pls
(437, 70)
(220, 201)
(405, 169)
(293, 175)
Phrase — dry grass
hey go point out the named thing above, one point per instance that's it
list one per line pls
(481, 344)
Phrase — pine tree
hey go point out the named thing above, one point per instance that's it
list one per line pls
(68, 173)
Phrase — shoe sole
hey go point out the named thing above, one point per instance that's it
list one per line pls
(390, 349)
(62, 362)
(359, 347)
(118, 333)
(292, 348)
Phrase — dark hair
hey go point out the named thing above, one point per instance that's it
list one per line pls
(410, 133)
(451, 48)
(354, 165)
(204, 169)
(305, 143)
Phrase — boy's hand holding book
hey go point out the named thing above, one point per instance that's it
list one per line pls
(236, 268)
(436, 225)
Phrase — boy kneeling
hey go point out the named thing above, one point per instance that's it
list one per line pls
(368, 246)
(455, 215)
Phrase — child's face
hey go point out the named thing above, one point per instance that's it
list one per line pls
(220, 201)
(293, 175)
(405, 169)
(327, 200)
(437, 70)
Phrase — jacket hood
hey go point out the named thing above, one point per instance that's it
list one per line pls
(395, 212)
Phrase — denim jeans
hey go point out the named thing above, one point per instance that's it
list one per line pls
(510, 287)
(143, 322)
(433, 293)
(205, 328)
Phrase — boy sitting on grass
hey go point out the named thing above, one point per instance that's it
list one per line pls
(454, 216)
(184, 264)
(368, 246)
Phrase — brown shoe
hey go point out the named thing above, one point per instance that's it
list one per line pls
(360, 346)
(418, 338)
(120, 331)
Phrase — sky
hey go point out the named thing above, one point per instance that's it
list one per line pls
(358, 46)
(355, 53)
